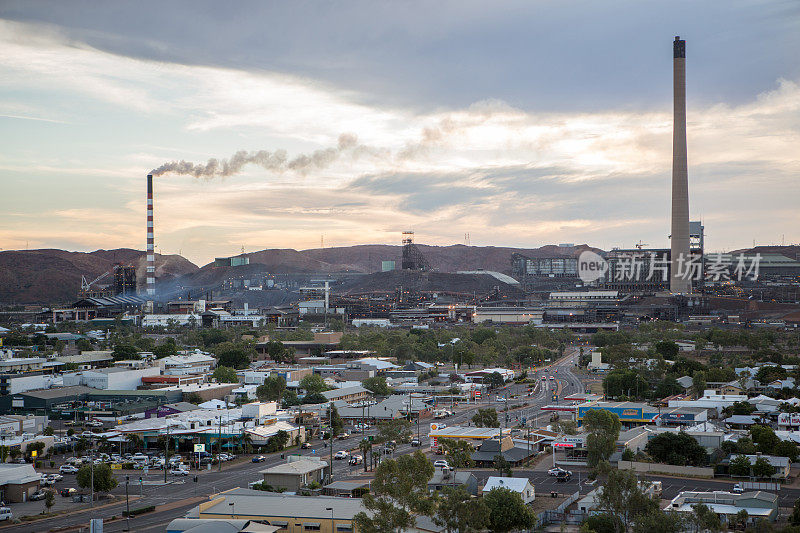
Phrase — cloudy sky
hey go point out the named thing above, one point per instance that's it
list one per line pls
(519, 123)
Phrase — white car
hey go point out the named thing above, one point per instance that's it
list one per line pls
(179, 472)
(55, 477)
(555, 472)
(738, 489)
(341, 454)
(138, 457)
(68, 469)
(440, 463)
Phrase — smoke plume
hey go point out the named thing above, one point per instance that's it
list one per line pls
(276, 161)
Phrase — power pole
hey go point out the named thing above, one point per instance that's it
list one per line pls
(166, 451)
(330, 435)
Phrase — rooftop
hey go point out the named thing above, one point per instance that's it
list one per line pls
(259, 503)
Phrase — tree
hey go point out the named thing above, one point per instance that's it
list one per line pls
(334, 420)
(365, 446)
(134, 441)
(495, 380)
(399, 489)
(377, 385)
(740, 519)
(786, 448)
(794, 518)
(104, 480)
(698, 383)
(603, 431)
(124, 352)
(3, 454)
(234, 355)
(667, 349)
(225, 374)
(37, 447)
(507, 511)
(14, 453)
(704, 519)
(659, 522)
(739, 466)
(459, 453)
(313, 384)
(278, 441)
(314, 398)
(272, 389)
(486, 418)
(166, 349)
(49, 500)
(622, 497)
(676, 449)
(503, 467)
(765, 438)
(457, 512)
(762, 468)
(601, 523)
(398, 430)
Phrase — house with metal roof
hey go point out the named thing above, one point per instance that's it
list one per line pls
(297, 472)
(489, 449)
(758, 504)
(520, 485)
(18, 482)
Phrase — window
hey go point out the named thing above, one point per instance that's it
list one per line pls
(311, 527)
(342, 528)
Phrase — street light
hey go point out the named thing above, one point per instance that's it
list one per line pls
(331, 510)
(127, 503)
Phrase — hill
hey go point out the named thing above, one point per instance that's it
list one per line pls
(54, 276)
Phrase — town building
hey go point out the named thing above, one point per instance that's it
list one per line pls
(296, 473)
(726, 505)
(520, 485)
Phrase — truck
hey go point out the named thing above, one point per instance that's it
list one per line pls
(743, 486)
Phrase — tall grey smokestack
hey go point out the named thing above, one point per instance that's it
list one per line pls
(151, 258)
(679, 282)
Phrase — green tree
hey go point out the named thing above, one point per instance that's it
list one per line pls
(762, 468)
(3, 454)
(502, 466)
(603, 431)
(365, 446)
(313, 384)
(765, 438)
(740, 519)
(104, 479)
(739, 466)
(234, 355)
(194, 398)
(622, 497)
(49, 499)
(601, 523)
(225, 374)
(794, 518)
(507, 511)
(486, 418)
(272, 390)
(676, 449)
(495, 380)
(166, 349)
(399, 490)
(377, 385)
(398, 430)
(459, 453)
(458, 512)
(786, 448)
(667, 349)
(698, 383)
(659, 522)
(84, 345)
(123, 352)
(704, 519)
(37, 447)
(334, 420)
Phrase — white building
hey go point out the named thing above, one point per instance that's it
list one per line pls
(520, 485)
(195, 363)
(110, 378)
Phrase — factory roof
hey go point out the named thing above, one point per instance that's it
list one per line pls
(464, 432)
(346, 391)
(49, 394)
(109, 301)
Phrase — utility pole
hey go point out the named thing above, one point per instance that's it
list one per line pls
(166, 451)
(219, 445)
(330, 438)
(91, 469)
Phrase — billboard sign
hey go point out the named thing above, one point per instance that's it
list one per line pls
(789, 419)
(198, 448)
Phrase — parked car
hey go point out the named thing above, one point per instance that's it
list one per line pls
(305, 446)
(38, 495)
(55, 477)
(259, 459)
(564, 475)
(139, 457)
(67, 492)
(68, 469)
(356, 460)
(415, 442)
(47, 482)
(555, 471)
(179, 472)
(738, 489)
(343, 436)
(5, 513)
(440, 463)
(341, 454)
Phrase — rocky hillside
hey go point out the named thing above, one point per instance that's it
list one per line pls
(54, 276)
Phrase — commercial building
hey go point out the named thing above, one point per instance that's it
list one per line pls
(110, 378)
(193, 363)
(758, 504)
(18, 482)
(296, 473)
(294, 514)
(629, 413)
(508, 315)
(348, 394)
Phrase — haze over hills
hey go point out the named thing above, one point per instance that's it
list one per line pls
(54, 276)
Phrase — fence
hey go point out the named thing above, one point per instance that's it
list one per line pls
(558, 514)
(660, 468)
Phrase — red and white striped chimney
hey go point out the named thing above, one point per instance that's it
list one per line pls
(151, 258)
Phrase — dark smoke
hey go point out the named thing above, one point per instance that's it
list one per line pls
(276, 161)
